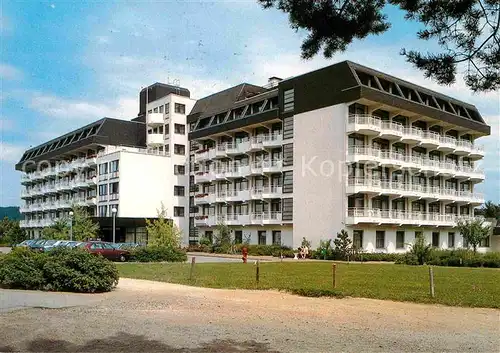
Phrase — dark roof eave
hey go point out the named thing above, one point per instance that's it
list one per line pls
(406, 104)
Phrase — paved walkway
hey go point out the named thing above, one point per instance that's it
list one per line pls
(145, 316)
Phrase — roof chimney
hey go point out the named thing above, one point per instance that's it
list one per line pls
(273, 81)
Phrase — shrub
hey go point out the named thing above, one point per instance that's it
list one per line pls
(198, 248)
(457, 258)
(65, 269)
(158, 254)
(262, 250)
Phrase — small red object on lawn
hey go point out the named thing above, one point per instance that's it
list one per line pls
(244, 252)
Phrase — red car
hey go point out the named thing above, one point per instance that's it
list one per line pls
(107, 250)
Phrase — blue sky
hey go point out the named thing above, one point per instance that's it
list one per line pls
(64, 64)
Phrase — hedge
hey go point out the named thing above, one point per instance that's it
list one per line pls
(63, 269)
(158, 254)
(253, 250)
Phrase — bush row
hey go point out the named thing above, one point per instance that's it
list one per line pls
(338, 256)
(158, 254)
(253, 250)
(457, 258)
(64, 269)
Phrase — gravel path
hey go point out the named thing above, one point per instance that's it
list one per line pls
(160, 317)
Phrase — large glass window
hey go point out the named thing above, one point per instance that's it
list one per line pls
(180, 129)
(179, 169)
(400, 239)
(103, 189)
(103, 168)
(380, 239)
(179, 149)
(180, 108)
(451, 240)
(179, 190)
(113, 188)
(435, 239)
(178, 211)
(357, 241)
(262, 237)
(276, 237)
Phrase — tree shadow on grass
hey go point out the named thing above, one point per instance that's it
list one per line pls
(124, 342)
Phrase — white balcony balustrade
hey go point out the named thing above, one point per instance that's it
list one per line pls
(154, 119)
(362, 154)
(272, 140)
(374, 126)
(266, 218)
(204, 198)
(155, 139)
(204, 154)
(205, 221)
(272, 166)
(400, 217)
(410, 190)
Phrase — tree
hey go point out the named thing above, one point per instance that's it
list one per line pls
(11, 232)
(474, 231)
(343, 244)
(223, 235)
(420, 249)
(305, 242)
(59, 230)
(490, 210)
(83, 226)
(467, 31)
(162, 231)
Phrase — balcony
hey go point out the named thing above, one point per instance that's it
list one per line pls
(272, 166)
(64, 203)
(361, 154)
(235, 219)
(233, 195)
(377, 187)
(238, 147)
(91, 201)
(263, 218)
(204, 177)
(90, 161)
(25, 179)
(399, 217)
(374, 126)
(204, 154)
(205, 221)
(103, 198)
(49, 172)
(256, 143)
(256, 168)
(25, 209)
(155, 140)
(114, 196)
(154, 119)
(64, 167)
(238, 171)
(204, 198)
(91, 182)
(272, 140)
(25, 194)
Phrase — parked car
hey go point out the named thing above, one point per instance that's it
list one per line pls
(71, 244)
(44, 245)
(37, 244)
(25, 244)
(127, 246)
(107, 250)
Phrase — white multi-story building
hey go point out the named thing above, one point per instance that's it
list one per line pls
(132, 167)
(343, 147)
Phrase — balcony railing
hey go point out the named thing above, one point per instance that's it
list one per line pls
(369, 154)
(380, 186)
(374, 125)
(385, 216)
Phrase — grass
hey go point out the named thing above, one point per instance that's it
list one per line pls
(474, 287)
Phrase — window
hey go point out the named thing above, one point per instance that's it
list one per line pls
(380, 239)
(277, 237)
(262, 237)
(179, 169)
(180, 129)
(288, 100)
(113, 166)
(178, 211)
(400, 240)
(103, 168)
(238, 236)
(167, 129)
(160, 109)
(155, 110)
(485, 243)
(179, 149)
(451, 240)
(96, 246)
(179, 190)
(167, 108)
(357, 239)
(113, 188)
(103, 211)
(180, 108)
(103, 189)
(435, 239)
(418, 234)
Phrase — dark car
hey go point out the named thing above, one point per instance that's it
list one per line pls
(39, 244)
(107, 250)
(25, 244)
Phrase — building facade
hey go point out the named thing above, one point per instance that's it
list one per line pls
(343, 147)
(125, 169)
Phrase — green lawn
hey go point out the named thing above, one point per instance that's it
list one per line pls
(475, 287)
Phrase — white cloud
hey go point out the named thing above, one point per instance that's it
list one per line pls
(9, 72)
(10, 152)
(58, 107)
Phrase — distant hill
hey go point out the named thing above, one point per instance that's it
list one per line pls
(11, 212)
